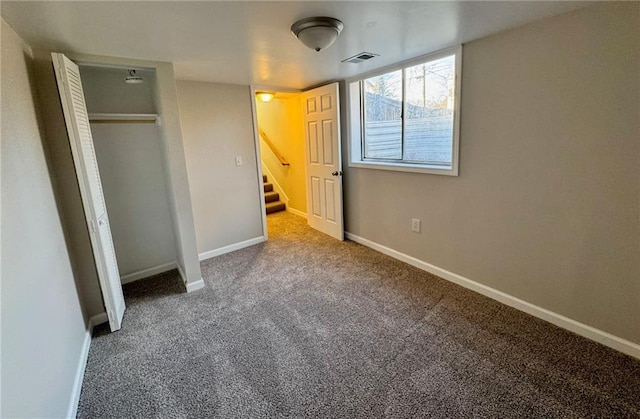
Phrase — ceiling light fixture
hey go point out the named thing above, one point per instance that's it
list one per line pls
(317, 33)
(265, 96)
(132, 78)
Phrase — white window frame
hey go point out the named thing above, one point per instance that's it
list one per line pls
(354, 119)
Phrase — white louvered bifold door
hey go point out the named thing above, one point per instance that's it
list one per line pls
(321, 109)
(95, 210)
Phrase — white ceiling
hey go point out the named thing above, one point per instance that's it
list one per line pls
(250, 42)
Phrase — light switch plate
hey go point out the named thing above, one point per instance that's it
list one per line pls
(415, 225)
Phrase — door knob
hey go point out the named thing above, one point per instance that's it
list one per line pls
(336, 173)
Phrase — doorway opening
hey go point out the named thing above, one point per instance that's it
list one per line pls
(282, 151)
(307, 126)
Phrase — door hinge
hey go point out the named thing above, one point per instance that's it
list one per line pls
(93, 225)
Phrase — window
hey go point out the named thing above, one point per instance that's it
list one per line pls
(406, 117)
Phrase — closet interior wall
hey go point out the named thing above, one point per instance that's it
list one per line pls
(132, 171)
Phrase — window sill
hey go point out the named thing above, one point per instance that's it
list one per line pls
(405, 167)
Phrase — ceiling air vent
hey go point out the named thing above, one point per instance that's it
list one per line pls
(358, 58)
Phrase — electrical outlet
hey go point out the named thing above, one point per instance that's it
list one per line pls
(238, 160)
(415, 225)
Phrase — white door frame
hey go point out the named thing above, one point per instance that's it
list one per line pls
(256, 139)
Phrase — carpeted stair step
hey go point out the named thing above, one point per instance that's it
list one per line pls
(276, 206)
(271, 196)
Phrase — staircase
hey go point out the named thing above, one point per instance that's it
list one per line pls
(271, 198)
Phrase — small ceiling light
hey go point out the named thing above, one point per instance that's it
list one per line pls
(132, 78)
(265, 96)
(317, 33)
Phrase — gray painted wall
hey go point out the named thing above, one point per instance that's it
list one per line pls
(166, 103)
(130, 162)
(546, 207)
(43, 328)
(217, 126)
(106, 92)
(131, 168)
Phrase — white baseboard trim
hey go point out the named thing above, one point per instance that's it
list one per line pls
(297, 212)
(72, 409)
(589, 332)
(190, 286)
(194, 286)
(232, 247)
(145, 273)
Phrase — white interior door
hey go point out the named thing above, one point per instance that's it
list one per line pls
(95, 210)
(323, 159)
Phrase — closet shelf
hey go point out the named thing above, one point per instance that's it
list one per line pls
(124, 118)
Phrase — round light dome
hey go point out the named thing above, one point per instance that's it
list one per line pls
(317, 33)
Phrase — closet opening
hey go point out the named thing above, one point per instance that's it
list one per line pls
(126, 131)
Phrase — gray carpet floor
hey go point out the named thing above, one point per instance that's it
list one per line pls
(306, 326)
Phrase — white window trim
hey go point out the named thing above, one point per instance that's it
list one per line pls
(354, 114)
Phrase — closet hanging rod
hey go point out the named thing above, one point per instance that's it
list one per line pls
(124, 118)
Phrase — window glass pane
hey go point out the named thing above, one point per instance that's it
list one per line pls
(430, 92)
(383, 116)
